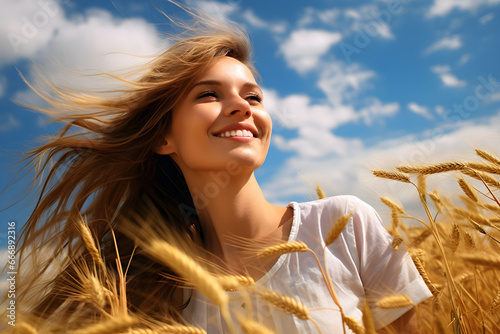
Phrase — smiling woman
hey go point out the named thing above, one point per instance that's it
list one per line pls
(157, 222)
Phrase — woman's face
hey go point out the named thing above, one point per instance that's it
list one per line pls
(221, 121)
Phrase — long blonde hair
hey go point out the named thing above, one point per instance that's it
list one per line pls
(102, 166)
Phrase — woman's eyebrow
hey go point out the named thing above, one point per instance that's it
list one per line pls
(247, 84)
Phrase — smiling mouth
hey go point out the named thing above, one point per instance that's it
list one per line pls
(236, 133)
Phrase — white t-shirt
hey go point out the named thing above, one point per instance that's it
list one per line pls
(360, 262)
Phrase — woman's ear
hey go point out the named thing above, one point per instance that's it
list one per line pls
(165, 148)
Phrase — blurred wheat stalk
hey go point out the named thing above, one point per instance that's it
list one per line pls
(455, 249)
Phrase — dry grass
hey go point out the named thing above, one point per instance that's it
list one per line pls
(458, 247)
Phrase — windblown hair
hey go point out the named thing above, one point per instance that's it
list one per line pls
(101, 167)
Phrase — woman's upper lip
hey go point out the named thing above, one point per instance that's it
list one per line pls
(238, 126)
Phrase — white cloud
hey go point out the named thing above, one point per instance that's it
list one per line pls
(304, 48)
(444, 7)
(464, 59)
(8, 122)
(440, 69)
(486, 18)
(26, 27)
(90, 43)
(218, 11)
(376, 110)
(349, 174)
(439, 109)
(368, 19)
(446, 43)
(448, 79)
(257, 22)
(341, 82)
(452, 81)
(420, 110)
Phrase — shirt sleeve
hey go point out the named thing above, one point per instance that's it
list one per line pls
(384, 271)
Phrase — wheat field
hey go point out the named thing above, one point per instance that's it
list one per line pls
(455, 247)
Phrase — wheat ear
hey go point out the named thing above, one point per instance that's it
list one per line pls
(88, 241)
(484, 260)
(283, 248)
(286, 303)
(250, 326)
(395, 301)
(113, 325)
(368, 322)
(392, 175)
(320, 192)
(421, 270)
(455, 238)
(391, 204)
(484, 167)
(467, 189)
(488, 156)
(336, 229)
(354, 325)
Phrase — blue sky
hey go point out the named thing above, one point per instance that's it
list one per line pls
(349, 84)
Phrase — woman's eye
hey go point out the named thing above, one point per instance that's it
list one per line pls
(207, 94)
(255, 97)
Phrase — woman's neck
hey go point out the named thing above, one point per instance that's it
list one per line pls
(232, 207)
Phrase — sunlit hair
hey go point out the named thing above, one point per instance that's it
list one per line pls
(102, 166)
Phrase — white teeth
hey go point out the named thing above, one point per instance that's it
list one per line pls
(236, 133)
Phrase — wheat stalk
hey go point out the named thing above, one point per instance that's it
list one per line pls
(392, 205)
(336, 229)
(283, 248)
(320, 192)
(186, 267)
(392, 175)
(395, 301)
(422, 272)
(454, 238)
(252, 327)
(368, 322)
(484, 259)
(484, 167)
(113, 325)
(88, 241)
(286, 303)
(354, 325)
(467, 189)
(488, 156)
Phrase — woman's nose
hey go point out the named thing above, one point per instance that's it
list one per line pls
(238, 105)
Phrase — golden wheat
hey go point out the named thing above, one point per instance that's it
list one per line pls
(454, 238)
(392, 205)
(24, 328)
(250, 326)
(488, 156)
(391, 175)
(421, 237)
(423, 273)
(368, 322)
(354, 325)
(467, 189)
(469, 241)
(88, 241)
(483, 259)
(284, 248)
(286, 303)
(186, 267)
(487, 178)
(336, 229)
(181, 329)
(113, 325)
(396, 241)
(483, 167)
(320, 192)
(395, 301)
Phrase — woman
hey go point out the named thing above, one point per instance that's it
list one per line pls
(179, 150)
